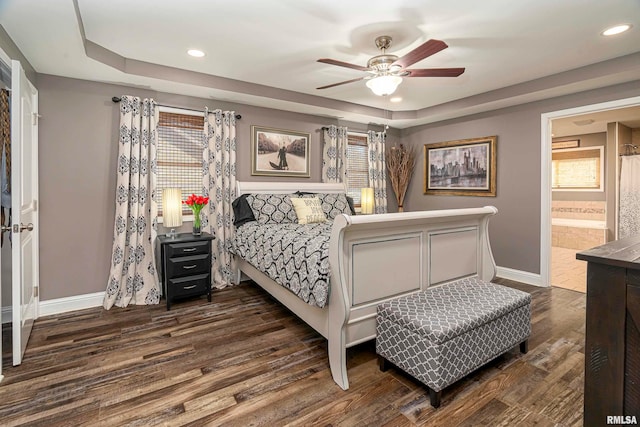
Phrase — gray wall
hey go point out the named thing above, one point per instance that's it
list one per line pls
(78, 151)
(8, 47)
(515, 230)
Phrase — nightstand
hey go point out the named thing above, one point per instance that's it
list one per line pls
(185, 266)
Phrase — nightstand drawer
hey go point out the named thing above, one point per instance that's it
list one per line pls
(188, 265)
(191, 285)
(189, 248)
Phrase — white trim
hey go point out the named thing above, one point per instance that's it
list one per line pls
(6, 314)
(61, 305)
(76, 302)
(545, 172)
(520, 276)
(5, 58)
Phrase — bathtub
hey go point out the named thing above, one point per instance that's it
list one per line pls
(578, 234)
(579, 223)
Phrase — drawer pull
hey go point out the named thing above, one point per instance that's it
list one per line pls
(189, 249)
(189, 287)
(189, 267)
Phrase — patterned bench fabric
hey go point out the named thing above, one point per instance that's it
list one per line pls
(439, 365)
(404, 337)
(444, 312)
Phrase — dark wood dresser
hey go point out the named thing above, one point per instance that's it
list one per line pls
(185, 266)
(612, 342)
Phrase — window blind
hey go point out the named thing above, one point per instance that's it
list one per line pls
(578, 169)
(180, 139)
(357, 165)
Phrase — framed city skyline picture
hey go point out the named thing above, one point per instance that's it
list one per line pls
(277, 152)
(466, 167)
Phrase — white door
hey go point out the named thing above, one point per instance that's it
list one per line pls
(24, 208)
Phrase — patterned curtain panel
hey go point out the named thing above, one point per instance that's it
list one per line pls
(377, 170)
(629, 196)
(334, 154)
(219, 183)
(133, 278)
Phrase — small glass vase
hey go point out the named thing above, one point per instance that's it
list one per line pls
(196, 225)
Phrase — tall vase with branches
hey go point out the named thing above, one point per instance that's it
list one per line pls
(400, 164)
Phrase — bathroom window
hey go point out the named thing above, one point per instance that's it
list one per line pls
(578, 169)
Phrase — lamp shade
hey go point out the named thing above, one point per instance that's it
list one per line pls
(366, 200)
(171, 207)
(384, 85)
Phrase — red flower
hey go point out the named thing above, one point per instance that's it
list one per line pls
(196, 202)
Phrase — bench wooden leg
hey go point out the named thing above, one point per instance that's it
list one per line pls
(524, 346)
(434, 397)
(382, 362)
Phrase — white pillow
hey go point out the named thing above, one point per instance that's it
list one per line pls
(308, 210)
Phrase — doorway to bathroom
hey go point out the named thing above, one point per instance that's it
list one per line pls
(585, 182)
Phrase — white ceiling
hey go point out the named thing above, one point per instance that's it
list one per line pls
(264, 52)
(595, 122)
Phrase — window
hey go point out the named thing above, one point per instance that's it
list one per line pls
(180, 134)
(578, 169)
(357, 165)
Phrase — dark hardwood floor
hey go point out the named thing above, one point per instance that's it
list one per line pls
(245, 360)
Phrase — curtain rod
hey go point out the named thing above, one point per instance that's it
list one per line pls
(118, 99)
(350, 129)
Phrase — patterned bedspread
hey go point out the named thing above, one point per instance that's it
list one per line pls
(295, 256)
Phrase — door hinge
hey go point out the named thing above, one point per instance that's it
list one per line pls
(35, 118)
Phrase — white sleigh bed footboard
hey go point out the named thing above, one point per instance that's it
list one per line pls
(374, 258)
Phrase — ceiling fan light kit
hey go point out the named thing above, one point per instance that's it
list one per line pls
(387, 70)
(384, 85)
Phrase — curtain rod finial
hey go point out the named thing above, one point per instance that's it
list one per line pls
(116, 99)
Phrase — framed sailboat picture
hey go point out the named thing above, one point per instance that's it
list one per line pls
(465, 167)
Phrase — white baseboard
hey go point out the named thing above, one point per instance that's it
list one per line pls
(520, 276)
(80, 302)
(61, 305)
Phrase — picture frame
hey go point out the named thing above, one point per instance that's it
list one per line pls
(465, 167)
(279, 152)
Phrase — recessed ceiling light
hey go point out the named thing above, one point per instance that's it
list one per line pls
(616, 30)
(195, 52)
(395, 99)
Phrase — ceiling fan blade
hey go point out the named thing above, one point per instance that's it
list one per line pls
(424, 50)
(435, 72)
(341, 83)
(342, 64)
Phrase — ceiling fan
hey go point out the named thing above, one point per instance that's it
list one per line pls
(386, 71)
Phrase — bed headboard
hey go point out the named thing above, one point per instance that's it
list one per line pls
(273, 187)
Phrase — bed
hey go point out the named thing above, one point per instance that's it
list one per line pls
(374, 258)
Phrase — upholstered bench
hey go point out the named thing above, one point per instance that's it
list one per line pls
(442, 334)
